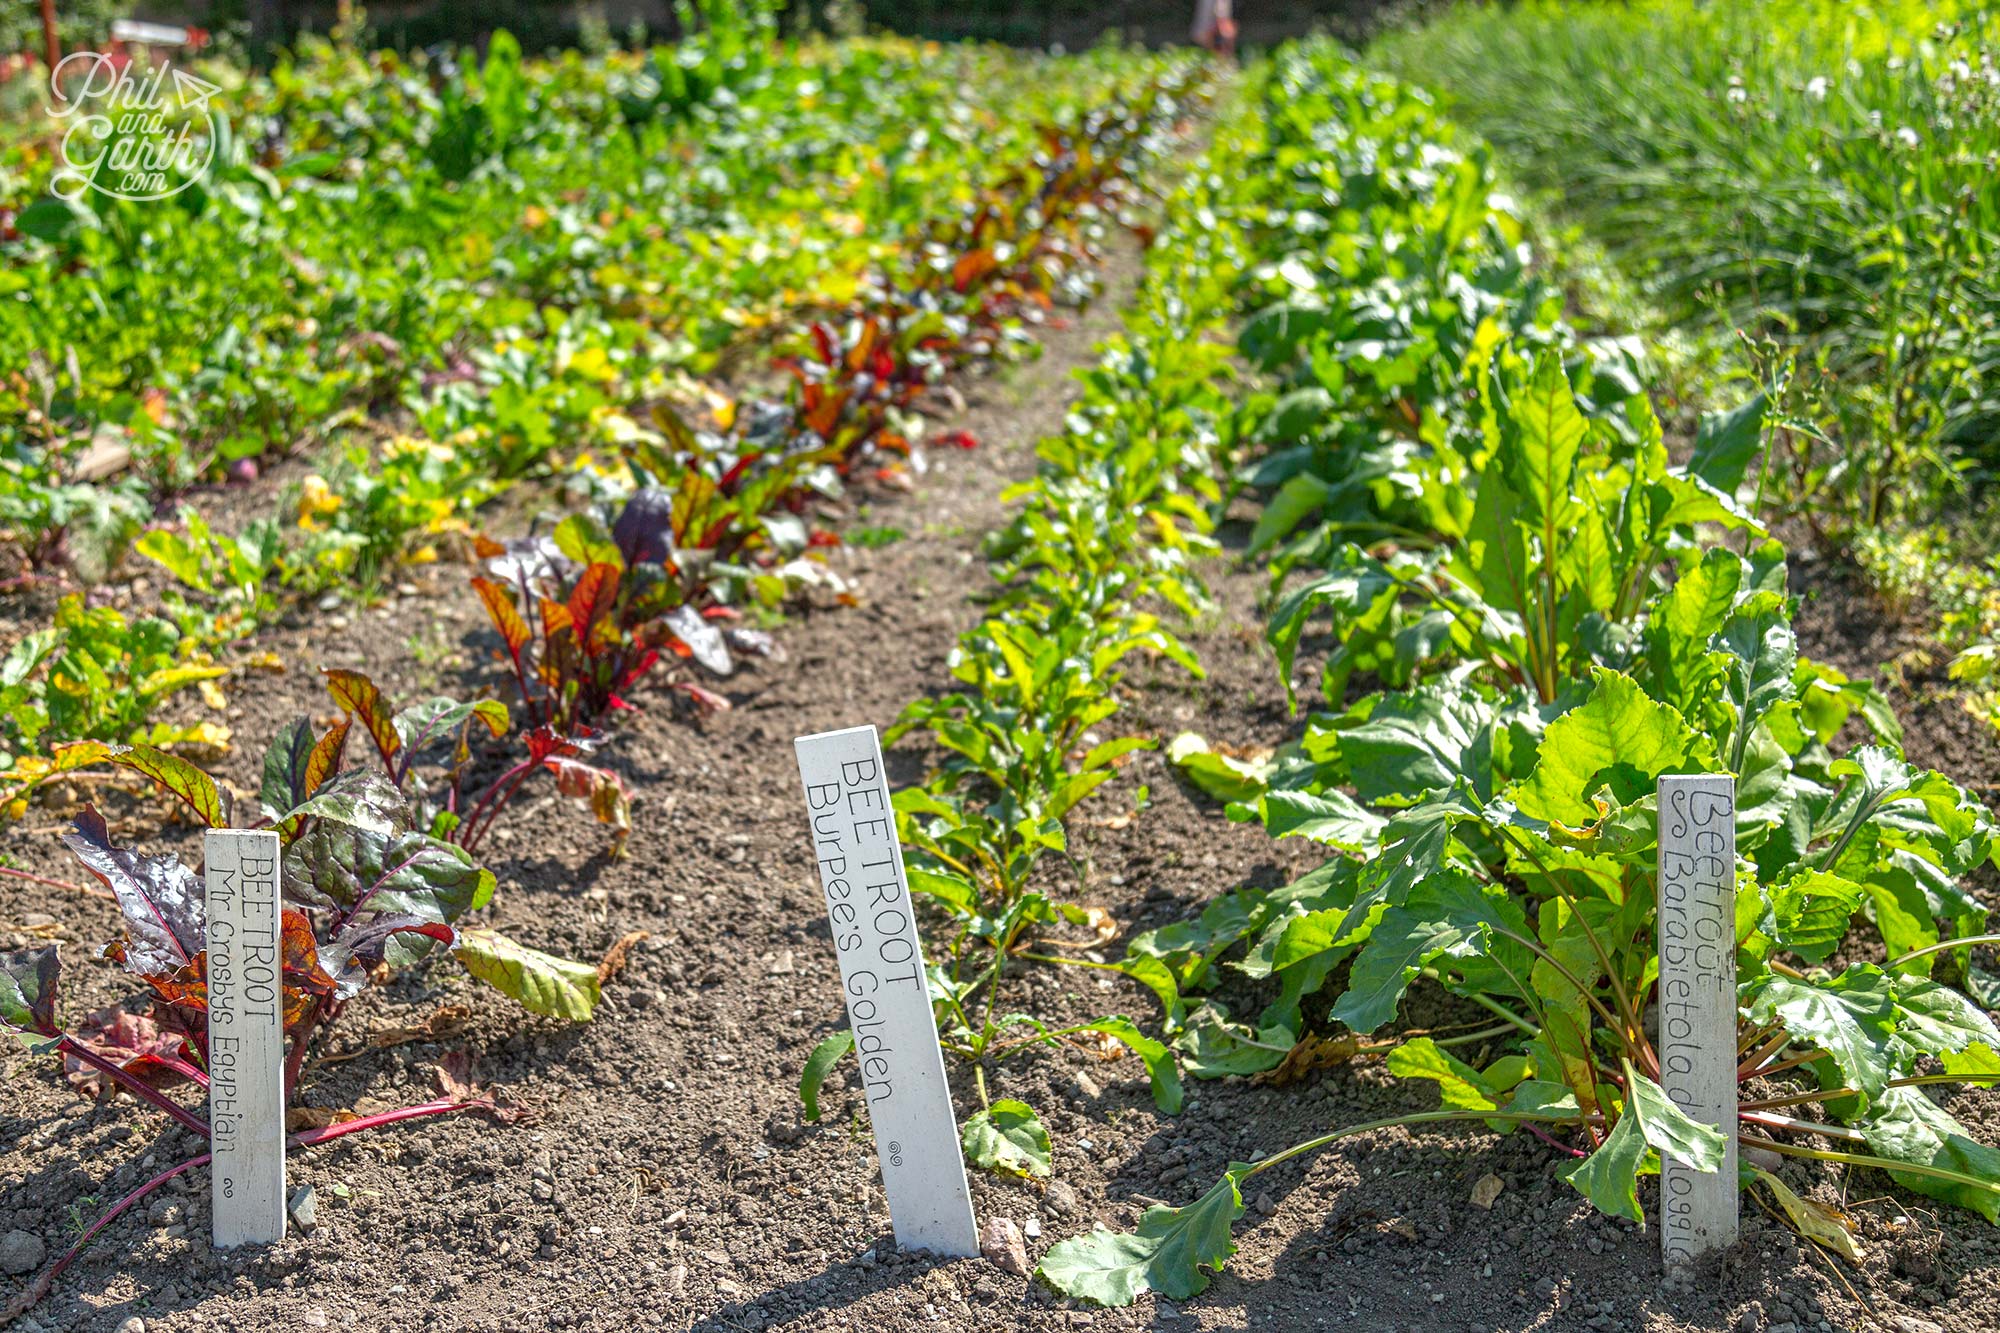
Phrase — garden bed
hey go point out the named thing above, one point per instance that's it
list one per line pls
(660, 1166)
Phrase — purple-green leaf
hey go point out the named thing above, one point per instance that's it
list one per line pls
(161, 899)
(28, 990)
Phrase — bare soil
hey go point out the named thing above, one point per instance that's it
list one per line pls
(665, 1179)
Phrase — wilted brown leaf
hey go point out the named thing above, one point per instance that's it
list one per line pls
(615, 957)
(1310, 1056)
(1100, 1044)
(316, 1117)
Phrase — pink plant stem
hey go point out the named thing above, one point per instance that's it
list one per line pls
(28, 1299)
(1549, 1138)
(306, 1138)
(493, 802)
(196, 1076)
(12, 873)
(137, 1087)
(295, 1059)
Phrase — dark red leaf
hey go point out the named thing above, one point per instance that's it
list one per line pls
(132, 1042)
(160, 898)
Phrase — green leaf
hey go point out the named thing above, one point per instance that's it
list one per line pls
(285, 765)
(1220, 776)
(52, 219)
(1978, 1064)
(1619, 737)
(1459, 1084)
(1165, 1253)
(361, 868)
(583, 539)
(1851, 1017)
(1333, 818)
(1272, 336)
(1215, 1047)
(1761, 650)
(1685, 618)
(175, 554)
(170, 773)
(1007, 1138)
(1932, 1019)
(1293, 503)
(543, 983)
(1419, 741)
(1669, 1130)
(428, 722)
(1353, 585)
(1160, 1066)
(1725, 443)
(1544, 431)
(1808, 912)
(28, 991)
(1609, 1177)
(1448, 914)
(1907, 1126)
(953, 891)
(1538, 1096)
(819, 1064)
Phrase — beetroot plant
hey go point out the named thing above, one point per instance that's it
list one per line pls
(367, 887)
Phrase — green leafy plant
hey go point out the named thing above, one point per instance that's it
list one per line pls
(1106, 529)
(230, 575)
(1560, 632)
(96, 674)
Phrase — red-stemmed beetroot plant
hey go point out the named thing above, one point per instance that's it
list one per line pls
(369, 883)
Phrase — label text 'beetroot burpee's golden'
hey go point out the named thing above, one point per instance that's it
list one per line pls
(887, 995)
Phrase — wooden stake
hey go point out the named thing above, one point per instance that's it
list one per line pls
(1697, 1004)
(51, 44)
(888, 995)
(246, 1037)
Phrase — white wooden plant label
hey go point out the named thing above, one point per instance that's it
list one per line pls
(1698, 1004)
(246, 1037)
(888, 998)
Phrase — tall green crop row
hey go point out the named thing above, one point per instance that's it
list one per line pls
(1098, 552)
(1813, 170)
(1529, 614)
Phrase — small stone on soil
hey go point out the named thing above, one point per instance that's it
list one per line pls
(21, 1252)
(304, 1209)
(1000, 1241)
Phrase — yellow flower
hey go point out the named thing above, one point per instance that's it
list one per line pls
(316, 501)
